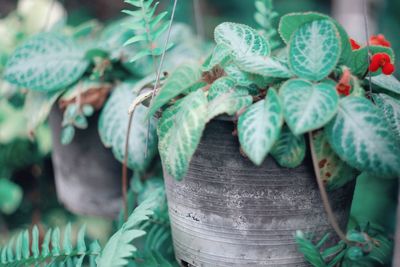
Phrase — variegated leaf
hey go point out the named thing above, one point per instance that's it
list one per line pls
(259, 127)
(314, 50)
(308, 106)
(265, 66)
(225, 98)
(390, 108)
(333, 171)
(363, 139)
(180, 130)
(289, 151)
(387, 82)
(220, 55)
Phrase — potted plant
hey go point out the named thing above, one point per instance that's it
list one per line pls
(242, 209)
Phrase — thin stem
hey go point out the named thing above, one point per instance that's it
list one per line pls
(324, 195)
(199, 18)
(125, 169)
(368, 46)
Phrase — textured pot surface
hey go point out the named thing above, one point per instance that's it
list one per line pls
(228, 212)
(87, 175)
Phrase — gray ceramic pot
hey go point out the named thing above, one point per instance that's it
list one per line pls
(88, 178)
(228, 212)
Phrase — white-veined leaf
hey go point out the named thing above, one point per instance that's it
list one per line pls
(259, 127)
(390, 108)
(220, 54)
(308, 106)
(387, 82)
(360, 136)
(265, 66)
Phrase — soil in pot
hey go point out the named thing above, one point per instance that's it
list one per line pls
(86, 174)
(228, 212)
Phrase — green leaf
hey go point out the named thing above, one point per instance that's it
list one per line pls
(242, 40)
(225, 98)
(361, 138)
(180, 130)
(67, 135)
(220, 55)
(67, 242)
(308, 106)
(390, 108)
(309, 250)
(333, 171)
(113, 128)
(182, 79)
(10, 196)
(314, 50)
(259, 127)
(265, 66)
(46, 62)
(35, 242)
(55, 242)
(358, 61)
(387, 82)
(289, 151)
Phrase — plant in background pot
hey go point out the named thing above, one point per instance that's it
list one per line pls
(242, 209)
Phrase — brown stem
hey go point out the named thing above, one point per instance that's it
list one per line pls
(125, 168)
(325, 199)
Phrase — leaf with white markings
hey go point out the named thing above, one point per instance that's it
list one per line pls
(361, 138)
(390, 108)
(308, 106)
(259, 127)
(46, 62)
(387, 82)
(184, 78)
(225, 98)
(241, 39)
(265, 66)
(180, 130)
(113, 128)
(289, 151)
(334, 172)
(314, 50)
(220, 55)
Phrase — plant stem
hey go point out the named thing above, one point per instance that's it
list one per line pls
(125, 168)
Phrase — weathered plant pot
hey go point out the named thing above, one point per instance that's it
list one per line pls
(87, 176)
(228, 212)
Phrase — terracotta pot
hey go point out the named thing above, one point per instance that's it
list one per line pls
(88, 178)
(228, 212)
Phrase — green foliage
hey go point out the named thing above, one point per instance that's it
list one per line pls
(75, 116)
(389, 83)
(10, 196)
(260, 126)
(308, 106)
(265, 66)
(46, 62)
(180, 130)
(390, 107)
(113, 128)
(361, 138)
(357, 60)
(265, 17)
(23, 250)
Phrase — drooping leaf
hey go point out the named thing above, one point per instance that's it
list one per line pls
(387, 82)
(308, 106)
(46, 62)
(314, 50)
(67, 135)
(265, 66)
(333, 171)
(361, 138)
(113, 128)
(289, 151)
(181, 80)
(259, 127)
(225, 98)
(180, 130)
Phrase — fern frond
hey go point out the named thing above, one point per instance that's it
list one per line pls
(265, 16)
(147, 26)
(23, 250)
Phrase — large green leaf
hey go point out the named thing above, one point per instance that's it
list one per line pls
(333, 171)
(308, 106)
(180, 130)
(363, 139)
(314, 50)
(265, 66)
(225, 98)
(10, 196)
(390, 108)
(46, 62)
(182, 79)
(242, 40)
(387, 82)
(289, 151)
(113, 128)
(259, 127)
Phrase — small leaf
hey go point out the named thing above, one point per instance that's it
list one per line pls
(387, 82)
(46, 243)
(289, 151)
(314, 50)
(55, 242)
(361, 138)
(67, 135)
(46, 62)
(225, 98)
(259, 127)
(180, 130)
(25, 245)
(80, 243)
(35, 242)
(10, 196)
(88, 110)
(67, 242)
(308, 106)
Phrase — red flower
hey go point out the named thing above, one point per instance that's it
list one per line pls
(381, 60)
(379, 40)
(354, 44)
(344, 87)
